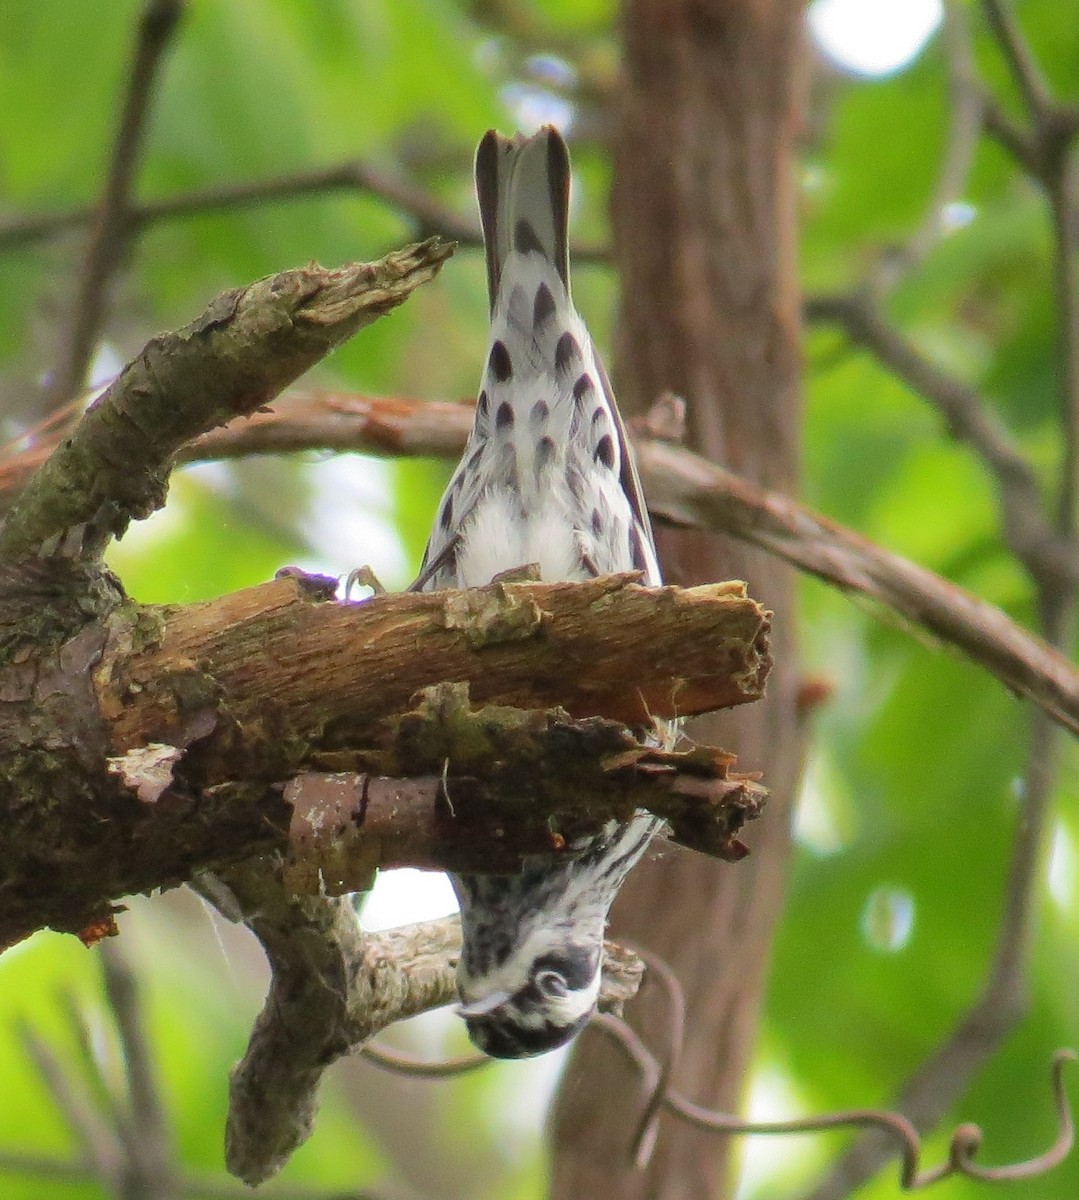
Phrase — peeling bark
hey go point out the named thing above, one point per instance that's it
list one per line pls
(155, 742)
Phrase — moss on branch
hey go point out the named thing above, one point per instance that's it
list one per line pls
(201, 715)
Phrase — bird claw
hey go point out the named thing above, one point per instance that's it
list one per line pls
(363, 577)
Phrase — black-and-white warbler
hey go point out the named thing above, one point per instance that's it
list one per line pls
(546, 478)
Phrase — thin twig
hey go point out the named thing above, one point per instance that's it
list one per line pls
(41, 1166)
(961, 141)
(107, 240)
(1014, 138)
(965, 1140)
(144, 1130)
(1062, 201)
(1027, 530)
(97, 1143)
(417, 1068)
(690, 491)
(429, 215)
(659, 971)
(1017, 54)
(94, 1084)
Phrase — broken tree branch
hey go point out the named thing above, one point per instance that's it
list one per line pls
(333, 988)
(204, 712)
(605, 647)
(508, 781)
(687, 490)
(246, 347)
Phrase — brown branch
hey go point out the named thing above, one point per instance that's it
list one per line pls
(1021, 63)
(300, 421)
(107, 239)
(691, 492)
(333, 988)
(1027, 531)
(246, 347)
(305, 420)
(206, 710)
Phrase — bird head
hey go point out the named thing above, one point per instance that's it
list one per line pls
(532, 944)
(536, 1000)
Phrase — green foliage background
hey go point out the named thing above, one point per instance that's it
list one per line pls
(910, 799)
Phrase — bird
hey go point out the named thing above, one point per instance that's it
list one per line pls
(547, 477)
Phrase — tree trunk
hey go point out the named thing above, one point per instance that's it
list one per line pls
(703, 209)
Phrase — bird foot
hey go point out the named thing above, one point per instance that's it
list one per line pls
(363, 577)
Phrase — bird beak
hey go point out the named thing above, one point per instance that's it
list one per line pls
(483, 1006)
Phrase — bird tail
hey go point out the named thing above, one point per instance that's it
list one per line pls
(523, 189)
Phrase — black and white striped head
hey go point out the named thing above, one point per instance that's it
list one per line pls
(532, 944)
(531, 953)
(537, 999)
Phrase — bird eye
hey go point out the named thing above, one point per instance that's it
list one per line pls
(551, 983)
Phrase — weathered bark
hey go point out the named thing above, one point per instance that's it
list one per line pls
(154, 741)
(535, 641)
(703, 210)
(684, 490)
(332, 989)
(240, 352)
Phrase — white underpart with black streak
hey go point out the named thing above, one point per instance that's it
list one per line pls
(545, 500)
